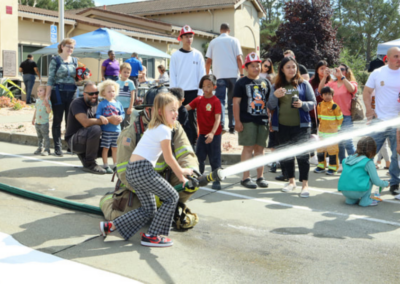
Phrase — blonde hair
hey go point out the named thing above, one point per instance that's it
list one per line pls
(41, 86)
(103, 85)
(160, 102)
(125, 66)
(64, 42)
(288, 52)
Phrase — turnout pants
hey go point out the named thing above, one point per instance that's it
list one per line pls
(147, 183)
(332, 152)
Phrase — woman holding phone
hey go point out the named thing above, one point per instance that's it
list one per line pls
(345, 87)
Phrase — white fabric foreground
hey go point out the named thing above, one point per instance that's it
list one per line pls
(21, 264)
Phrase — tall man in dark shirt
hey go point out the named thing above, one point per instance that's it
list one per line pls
(83, 128)
(29, 70)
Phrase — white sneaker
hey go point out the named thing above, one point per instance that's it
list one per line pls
(340, 169)
(314, 160)
(288, 187)
(397, 197)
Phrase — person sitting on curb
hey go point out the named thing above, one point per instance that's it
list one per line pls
(83, 128)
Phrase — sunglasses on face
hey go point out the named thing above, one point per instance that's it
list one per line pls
(267, 66)
(92, 93)
(342, 69)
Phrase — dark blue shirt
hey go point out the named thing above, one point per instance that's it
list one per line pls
(136, 66)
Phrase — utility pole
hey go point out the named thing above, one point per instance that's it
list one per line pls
(61, 20)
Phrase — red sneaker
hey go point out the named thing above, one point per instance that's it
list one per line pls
(105, 228)
(155, 241)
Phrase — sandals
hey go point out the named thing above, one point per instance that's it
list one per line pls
(304, 194)
(94, 169)
(248, 183)
(261, 182)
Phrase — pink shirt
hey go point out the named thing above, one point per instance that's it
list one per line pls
(342, 97)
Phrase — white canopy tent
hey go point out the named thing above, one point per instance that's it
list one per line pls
(384, 47)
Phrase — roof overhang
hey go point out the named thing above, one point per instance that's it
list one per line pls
(256, 4)
(186, 10)
(103, 14)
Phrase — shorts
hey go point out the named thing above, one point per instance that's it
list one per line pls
(273, 140)
(109, 139)
(253, 134)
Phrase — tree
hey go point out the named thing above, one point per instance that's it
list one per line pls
(364, 24)
(270, 24)
(53, 4)
(307, 31)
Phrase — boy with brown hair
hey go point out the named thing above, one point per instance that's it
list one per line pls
(250, 97)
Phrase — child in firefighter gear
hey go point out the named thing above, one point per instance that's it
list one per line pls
(330, 118)
(124, 198)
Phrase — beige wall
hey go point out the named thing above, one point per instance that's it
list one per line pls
(9, 30)
(200, 20)
(247, 27)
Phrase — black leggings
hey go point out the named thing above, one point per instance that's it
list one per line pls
(290, 136)
(58, 113)
(189, 97)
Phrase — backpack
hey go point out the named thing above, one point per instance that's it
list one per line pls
(357, 112)
(59, 62)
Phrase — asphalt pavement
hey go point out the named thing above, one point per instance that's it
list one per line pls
(243, 236)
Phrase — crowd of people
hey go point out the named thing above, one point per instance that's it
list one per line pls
(267, 108)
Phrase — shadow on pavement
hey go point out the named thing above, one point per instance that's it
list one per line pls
(45, 172)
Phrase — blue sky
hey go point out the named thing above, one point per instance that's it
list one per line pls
(112, 2)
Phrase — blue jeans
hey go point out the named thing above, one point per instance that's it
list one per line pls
(212, 150)
(29, 81)
(380, 138)
(111, 77)
(346, 144)
(220, 92)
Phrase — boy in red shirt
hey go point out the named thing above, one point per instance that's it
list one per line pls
(209, 121)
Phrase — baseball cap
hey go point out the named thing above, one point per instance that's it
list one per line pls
(185, 30)
(252, 57)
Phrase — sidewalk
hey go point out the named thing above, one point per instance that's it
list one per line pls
(16, 127)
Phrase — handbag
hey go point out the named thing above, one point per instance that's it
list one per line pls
(357, 112)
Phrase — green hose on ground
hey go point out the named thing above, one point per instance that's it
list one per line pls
(51, 200)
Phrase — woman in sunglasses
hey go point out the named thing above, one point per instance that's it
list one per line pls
(345, 87)
(267, 70)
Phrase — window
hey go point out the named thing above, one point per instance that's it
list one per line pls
(24, 50)
(149, 63)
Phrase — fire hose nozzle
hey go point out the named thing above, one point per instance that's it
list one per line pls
(213, 176)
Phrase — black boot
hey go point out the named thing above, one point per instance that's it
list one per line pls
(394, 189)
(273, 168)
(281, 178)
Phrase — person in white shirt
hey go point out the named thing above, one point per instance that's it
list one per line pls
(385, 81)
(225, 55)
(186, 70)
(147, 182)
(164, 78)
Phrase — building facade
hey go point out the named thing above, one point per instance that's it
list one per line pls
(24, 29)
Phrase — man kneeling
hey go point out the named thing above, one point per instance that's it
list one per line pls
(83, 128)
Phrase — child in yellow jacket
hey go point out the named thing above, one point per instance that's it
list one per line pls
(330, 120)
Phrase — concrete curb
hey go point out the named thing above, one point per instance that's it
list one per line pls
(26, 139)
